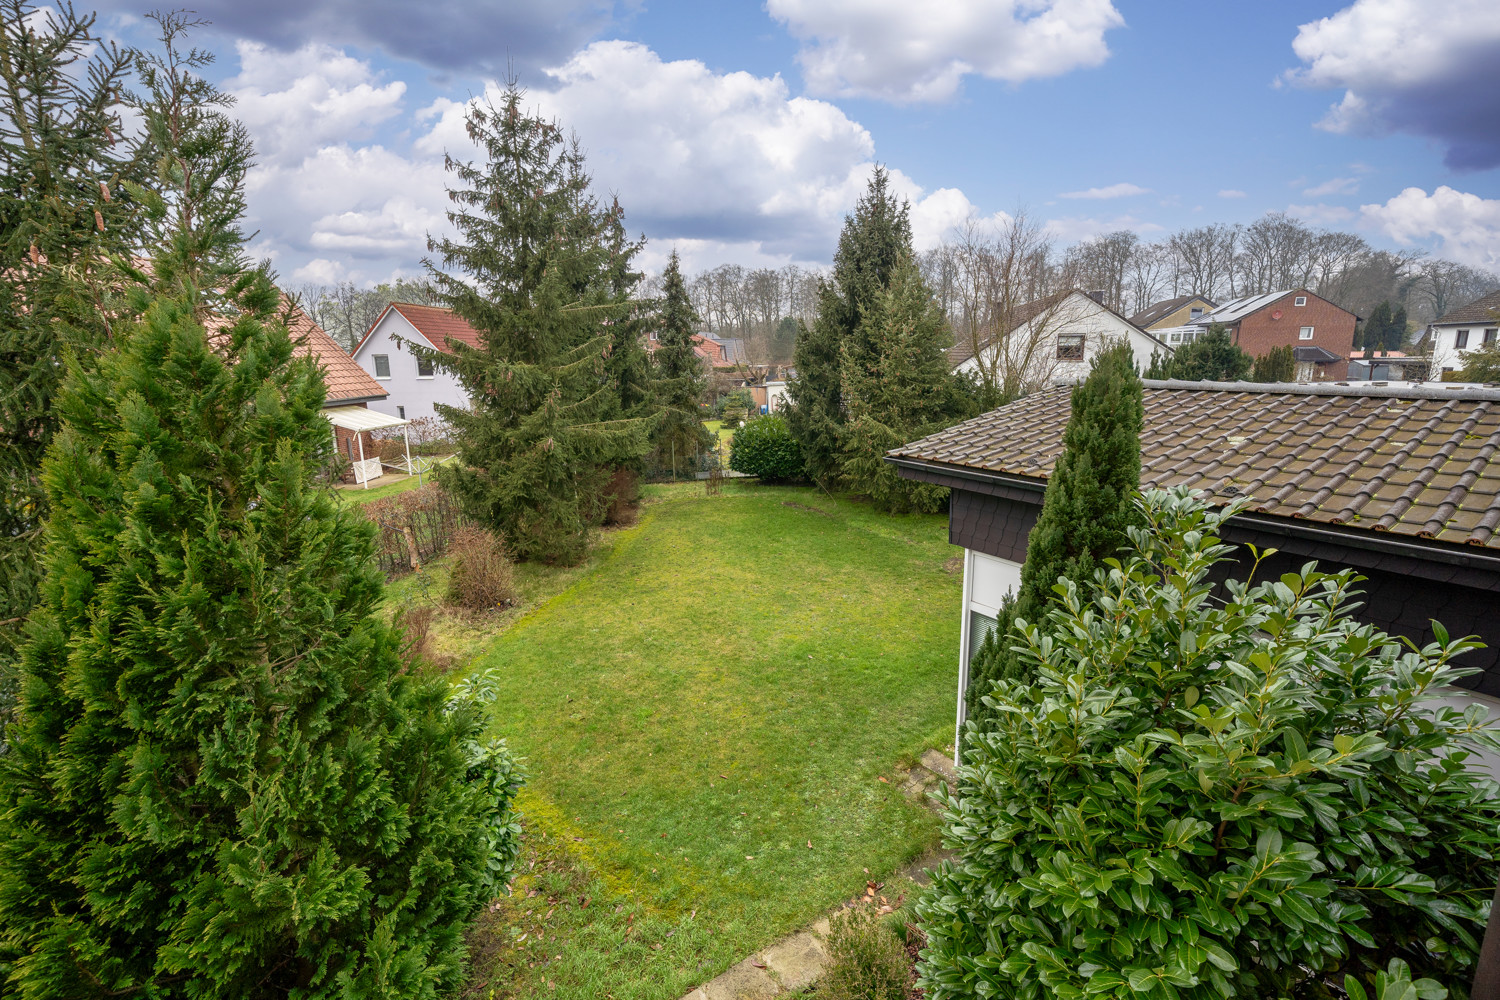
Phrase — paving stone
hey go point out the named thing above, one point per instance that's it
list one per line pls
(742, 982)
(797, 960)
(940, 764)
(697, 994)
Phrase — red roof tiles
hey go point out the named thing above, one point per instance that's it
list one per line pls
(440, 326)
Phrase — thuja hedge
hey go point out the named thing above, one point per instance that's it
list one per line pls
(766, 448)
(1202, 796)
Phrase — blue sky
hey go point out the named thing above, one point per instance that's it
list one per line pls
(742, 131)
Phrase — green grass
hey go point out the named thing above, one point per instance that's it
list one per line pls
(355, 493)
(724, 436)
(719, 687)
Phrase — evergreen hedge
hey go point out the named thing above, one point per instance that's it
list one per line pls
(765, 447)
(1198, 797)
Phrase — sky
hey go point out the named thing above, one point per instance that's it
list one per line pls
(742, 132)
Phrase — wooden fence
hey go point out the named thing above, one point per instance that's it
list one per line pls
(414, 527)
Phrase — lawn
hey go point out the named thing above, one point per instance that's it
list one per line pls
(723, 436)
(706, 709)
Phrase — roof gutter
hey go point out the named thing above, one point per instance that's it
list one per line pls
(1384, 543)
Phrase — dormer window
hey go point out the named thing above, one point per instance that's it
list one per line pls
(1300, 300)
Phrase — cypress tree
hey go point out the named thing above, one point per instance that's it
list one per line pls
(1085, 511)
(680, 379)
(223, 780)
(1377, 330)
(1279, 364)
(540, 269)
(873, 243)
(897, 387)
(62, 215)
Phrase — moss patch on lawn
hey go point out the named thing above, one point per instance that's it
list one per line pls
(706, 713)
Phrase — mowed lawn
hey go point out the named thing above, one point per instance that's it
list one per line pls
(706, 715)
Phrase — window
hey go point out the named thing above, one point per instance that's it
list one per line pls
(1070, 347)
(1461, 339)
(1489, 335)
(1195, 312)
(1300, 300)
(382, 366)
(980, 627)
(424, 368)
(1305, 333)
(401, 412)
(653, 334)
(1176, 336)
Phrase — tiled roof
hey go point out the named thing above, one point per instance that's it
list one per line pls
(1160, 310)
(439, 325)
(343, 376)
(1417, 461)
(1479, 311)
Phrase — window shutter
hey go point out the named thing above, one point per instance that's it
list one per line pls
(981, 627)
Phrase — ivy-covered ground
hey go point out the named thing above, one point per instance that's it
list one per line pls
(706, 709)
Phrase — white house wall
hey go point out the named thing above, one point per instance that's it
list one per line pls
(1078, 314)
(407, 389)
(1446, 355)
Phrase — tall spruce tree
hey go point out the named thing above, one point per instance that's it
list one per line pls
(1085, 511)
(680, 378)
(873, 243)
(62, 216)
(538, 268)
(224, 781)
(1377, 330)
(897, 386)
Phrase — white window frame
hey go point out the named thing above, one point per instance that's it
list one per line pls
(376, 359)
(1306, 333)
(1300, 300)
(431, 369)
(970, 606)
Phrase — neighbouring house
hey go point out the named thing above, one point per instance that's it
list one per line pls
(716, 351)
(1401, 484)
(1462, 329)
(351, 391)
(1056, 339)
(776, 396)
(1173, 313)
(414, 386)
(1321, 333)
(1387, 366)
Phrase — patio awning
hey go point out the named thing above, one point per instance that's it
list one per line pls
(359, 418)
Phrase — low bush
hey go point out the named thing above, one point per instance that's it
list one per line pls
(765, 447)
(868, 961)
(414, 526)
(480, 574)
(1206, 796)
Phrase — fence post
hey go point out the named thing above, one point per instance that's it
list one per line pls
(674, 461)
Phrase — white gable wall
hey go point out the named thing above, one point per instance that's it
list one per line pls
(1077, 314)
(1446, 354)
(407, 389)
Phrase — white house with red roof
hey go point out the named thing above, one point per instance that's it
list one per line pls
(413, 386)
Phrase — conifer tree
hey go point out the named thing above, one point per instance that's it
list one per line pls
(874, 241)
(62, 215)
(223, 780)
(1377, 329)
(1279, 364)
(540, 269)
(897, 386)
(1213, 357)
(1085, 511)
(680, 379)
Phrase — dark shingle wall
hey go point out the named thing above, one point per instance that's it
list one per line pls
(996, 526)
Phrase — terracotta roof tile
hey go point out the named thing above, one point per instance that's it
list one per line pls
(1423, 462)
(345, 379)
(440, 326)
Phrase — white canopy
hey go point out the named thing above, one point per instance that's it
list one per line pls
(359, 418)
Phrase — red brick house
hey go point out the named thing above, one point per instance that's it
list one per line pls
(1320, 332)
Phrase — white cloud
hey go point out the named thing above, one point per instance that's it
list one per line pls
(727, 166)
(1074, 228)
(1113, 191)
(1231, 193)
(905, 52)
(1335, 185)
(1320, 213)
(1464, 226)
(1413, 66)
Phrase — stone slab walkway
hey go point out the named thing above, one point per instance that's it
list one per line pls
(796, 961)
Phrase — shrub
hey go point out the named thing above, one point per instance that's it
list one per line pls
(414, 525)
(765, 448)
(1279, 364)
(481, 577)
(867, 959)
(1205, 796)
